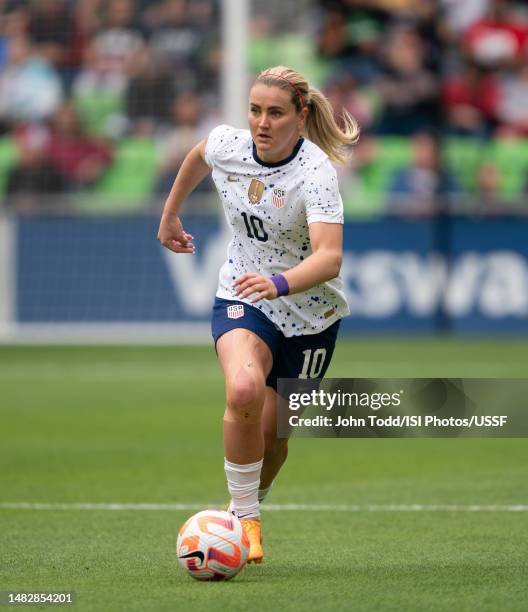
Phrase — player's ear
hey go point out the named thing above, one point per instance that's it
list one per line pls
(303, 115)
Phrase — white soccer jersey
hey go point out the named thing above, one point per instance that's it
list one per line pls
(269, 207)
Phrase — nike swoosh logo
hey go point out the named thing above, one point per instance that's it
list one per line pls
(233, 179)
(197, 553)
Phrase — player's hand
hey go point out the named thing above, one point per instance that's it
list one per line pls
(172, 235)
(261, 286)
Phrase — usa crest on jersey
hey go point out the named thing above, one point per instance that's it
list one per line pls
(235, 311)
(278, 197)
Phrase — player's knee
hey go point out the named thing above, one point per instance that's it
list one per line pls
(242, 394)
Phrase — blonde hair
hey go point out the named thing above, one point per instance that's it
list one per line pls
(321, 126)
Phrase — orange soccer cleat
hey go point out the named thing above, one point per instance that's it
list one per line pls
(254, 534)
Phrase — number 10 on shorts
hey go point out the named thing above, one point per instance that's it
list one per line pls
(313, 363)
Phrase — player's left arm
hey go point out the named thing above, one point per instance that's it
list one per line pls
(322, 265)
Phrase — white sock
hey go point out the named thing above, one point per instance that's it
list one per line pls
(263, 492)
(243, 482)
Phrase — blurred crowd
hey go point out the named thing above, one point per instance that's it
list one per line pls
(81, 81)
(107, 97)
(446, 82)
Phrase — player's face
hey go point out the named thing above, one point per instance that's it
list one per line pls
(274, 122)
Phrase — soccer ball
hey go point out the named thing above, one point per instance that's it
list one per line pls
(212, 545)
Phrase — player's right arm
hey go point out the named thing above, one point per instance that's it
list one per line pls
(192, 172)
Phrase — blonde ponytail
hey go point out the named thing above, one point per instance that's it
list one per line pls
(322, 129)
(321, 126)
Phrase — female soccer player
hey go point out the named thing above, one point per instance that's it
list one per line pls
(280, 299)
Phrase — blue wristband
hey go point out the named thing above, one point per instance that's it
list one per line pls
(281, 284)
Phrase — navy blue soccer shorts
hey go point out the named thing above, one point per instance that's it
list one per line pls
(302, 357)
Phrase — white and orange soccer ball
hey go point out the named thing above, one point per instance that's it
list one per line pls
(212, 545)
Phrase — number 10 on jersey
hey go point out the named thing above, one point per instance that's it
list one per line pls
(313, 363)
(255, 227)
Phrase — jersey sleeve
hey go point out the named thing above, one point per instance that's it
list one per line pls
(217, 142)
(323, 200)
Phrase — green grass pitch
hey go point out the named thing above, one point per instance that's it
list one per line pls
(143, 424)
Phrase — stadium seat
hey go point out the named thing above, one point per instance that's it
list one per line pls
(295, 50)
(262, 53)
(511, 158)
(97, 109)
(393, 153)
(366, 194)
(463, 156)
(8, 158)
(129, 182)
(359, 202)
(299, 51)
